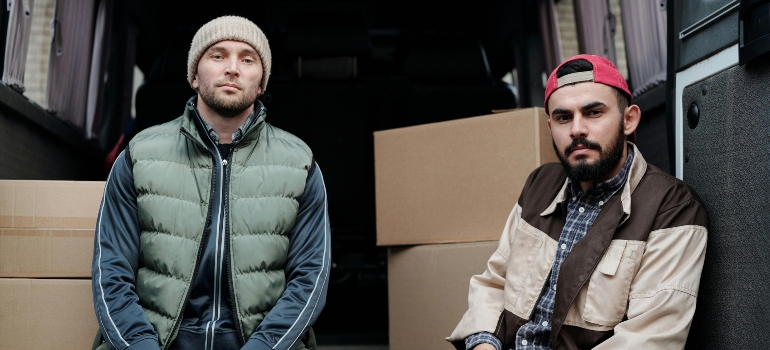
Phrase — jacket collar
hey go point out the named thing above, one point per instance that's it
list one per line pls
(253, 122)
(635, 173)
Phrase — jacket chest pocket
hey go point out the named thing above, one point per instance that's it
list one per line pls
(607, 294)
(532, 254)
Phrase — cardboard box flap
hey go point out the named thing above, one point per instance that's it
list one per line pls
(49, 203)
(46, 253)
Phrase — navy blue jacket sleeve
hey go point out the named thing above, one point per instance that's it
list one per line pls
(121, 319)
(307, 273)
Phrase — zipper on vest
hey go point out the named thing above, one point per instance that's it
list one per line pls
(189, 289)
(218, 247)
(228, 255)
(198, 256)
(224, 203)
(228, 251)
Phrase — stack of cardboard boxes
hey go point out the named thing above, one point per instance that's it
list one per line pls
(443, 193)
(46, 246)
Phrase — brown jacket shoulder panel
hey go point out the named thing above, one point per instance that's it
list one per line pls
(542, 186)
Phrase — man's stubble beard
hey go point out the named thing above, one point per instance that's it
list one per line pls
(226, 107)
(583, 171)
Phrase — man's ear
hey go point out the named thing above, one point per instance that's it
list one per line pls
(631, 117)
(549, 123)
(195, 82)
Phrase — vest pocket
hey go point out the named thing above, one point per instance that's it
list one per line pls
(609, 286)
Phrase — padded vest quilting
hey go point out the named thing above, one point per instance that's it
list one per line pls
(173, 178)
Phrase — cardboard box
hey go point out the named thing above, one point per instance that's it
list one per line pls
(455, 181)
(49, 203)
(46, 314)
(36, 253)
(428, 291)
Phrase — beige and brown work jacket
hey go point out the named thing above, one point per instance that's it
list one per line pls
(630, 283)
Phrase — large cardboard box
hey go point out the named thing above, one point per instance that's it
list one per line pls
(455, 181)
(49, 203)
(46, 314)
(46, 253)
(428, 291)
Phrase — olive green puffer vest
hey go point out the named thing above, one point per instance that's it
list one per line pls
(173, 173)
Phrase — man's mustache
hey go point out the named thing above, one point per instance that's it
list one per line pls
(222, 82)
(584, 142)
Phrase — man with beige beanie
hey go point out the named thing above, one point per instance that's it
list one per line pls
(213, 231)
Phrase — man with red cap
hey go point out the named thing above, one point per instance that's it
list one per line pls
(602, 251)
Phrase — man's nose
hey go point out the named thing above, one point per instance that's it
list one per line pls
(579, 127)
(232, 67)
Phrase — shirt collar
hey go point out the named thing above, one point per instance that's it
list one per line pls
(238, 134)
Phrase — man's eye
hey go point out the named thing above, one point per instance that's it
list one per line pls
(562, 118)
(248, 60)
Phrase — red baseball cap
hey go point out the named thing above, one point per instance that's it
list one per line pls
(604, 72)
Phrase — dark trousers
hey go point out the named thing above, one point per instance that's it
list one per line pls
(193, 341)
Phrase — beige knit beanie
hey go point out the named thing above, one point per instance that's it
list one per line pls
(229, 28)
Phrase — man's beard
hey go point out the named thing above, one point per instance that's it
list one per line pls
(225, 107)
(583, 171)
